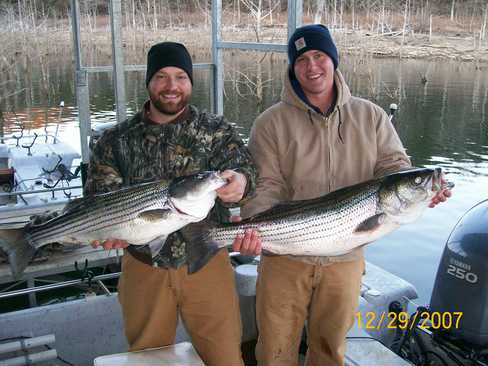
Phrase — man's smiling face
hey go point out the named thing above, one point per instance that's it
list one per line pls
(314, 71)
(170, 90)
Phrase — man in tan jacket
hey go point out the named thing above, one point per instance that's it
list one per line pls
(317, 139)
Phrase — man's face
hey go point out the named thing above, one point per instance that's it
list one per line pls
(170, 90)
(314, 71)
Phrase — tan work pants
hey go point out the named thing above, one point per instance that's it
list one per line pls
(290, 292)
(207, 302)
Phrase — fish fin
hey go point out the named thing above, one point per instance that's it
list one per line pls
(154, 215)
(75, 204)
(20, 252)
(156, 245)
(200, 246)
(370, 224)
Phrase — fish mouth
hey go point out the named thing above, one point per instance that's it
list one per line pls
(196, 203)
(217, 180)
(182, 212)
(177, 210)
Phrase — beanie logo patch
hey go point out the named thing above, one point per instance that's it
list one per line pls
(300, 43)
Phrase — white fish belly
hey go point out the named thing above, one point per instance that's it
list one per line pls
(332, 233)
(136, 232)
(312, 242)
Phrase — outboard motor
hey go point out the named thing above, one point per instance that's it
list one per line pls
(461, 284)
(453, 330)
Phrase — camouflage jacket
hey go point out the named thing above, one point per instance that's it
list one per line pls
(139, 150)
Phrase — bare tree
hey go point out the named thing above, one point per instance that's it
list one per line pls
(319, 11)
(334, 14)
(405, 20)
(155, 16)
(255, 8)
(353, 10)
(204, 10)
(483, 26)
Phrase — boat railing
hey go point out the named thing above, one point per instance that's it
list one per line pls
(67, 191)
(31, 290)
(34, 136)
(22, 181)
(35, 191)
(84, 278)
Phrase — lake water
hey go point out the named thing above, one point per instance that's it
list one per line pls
(442, 122)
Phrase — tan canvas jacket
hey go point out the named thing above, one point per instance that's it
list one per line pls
(302, 154)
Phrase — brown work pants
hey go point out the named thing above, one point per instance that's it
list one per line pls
(207, 302)
(290, 292)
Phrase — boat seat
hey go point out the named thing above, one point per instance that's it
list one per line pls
(180, 354)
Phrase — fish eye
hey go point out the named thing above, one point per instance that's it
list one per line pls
(418, 180)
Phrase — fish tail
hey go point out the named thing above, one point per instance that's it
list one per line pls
(20, 252)
(200, 245)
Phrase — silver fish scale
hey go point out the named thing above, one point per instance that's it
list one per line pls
(100, 212)
(320, 229)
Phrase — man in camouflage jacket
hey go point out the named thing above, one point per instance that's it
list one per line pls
(170, 138)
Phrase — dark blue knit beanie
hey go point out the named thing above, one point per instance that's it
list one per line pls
(168, 54)
(311, 37)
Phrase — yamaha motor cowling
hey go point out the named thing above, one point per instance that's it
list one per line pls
(461, 285)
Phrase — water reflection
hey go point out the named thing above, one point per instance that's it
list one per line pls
(442, 120)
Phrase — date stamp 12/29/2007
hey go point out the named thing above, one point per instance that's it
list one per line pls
(402, 320)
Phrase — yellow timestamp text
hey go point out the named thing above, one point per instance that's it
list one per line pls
(402, 320)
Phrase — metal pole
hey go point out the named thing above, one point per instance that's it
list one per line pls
(32, 358)
(53, 286)
(19, 193)
(81, 82)
(75, 24)
(32, 296)
(217, 59)
(118, 59)
(25, 344)
(1, 127)
(295, 15)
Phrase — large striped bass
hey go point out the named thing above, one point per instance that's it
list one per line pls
(330, 225)
(137, 214)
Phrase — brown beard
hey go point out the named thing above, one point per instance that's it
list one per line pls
(168, 108)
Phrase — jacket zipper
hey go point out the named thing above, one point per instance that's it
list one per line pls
(329, 145)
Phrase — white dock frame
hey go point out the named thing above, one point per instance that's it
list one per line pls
(118, 69)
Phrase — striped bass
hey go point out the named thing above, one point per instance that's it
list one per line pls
(330, 225)
(137, 214)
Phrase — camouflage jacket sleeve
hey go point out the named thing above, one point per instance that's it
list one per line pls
(229, 152)
(103, 171)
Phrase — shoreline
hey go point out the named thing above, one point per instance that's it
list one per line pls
(136, 42)
(462, 49)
